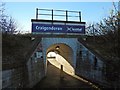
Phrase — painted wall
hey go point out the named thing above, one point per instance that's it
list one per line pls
(71, 42)
(90, 66)
(26, 76)
(13, 78)
(84, 62)
(35, 66)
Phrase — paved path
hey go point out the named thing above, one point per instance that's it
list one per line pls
(53, 80)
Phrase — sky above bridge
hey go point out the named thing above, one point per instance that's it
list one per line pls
(23, 12)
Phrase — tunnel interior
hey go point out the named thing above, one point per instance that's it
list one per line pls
(61, 56)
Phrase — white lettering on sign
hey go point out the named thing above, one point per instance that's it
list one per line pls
(48, 28)
(74, 29)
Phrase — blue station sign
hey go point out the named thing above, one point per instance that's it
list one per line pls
(54, 28)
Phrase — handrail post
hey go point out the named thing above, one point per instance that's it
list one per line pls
(80, 16)
(37, 13)
(52, 14)
(66, 15)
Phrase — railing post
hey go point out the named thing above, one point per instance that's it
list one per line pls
(80, 16)
(52, 14)
(61, 72)
(66, 15)
(37, 13)
(93, 33)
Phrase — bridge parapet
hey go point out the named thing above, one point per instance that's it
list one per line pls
(55, 27)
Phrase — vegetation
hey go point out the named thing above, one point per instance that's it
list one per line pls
(106, 34)
(14, 49)
(7, 23)
(104, 38)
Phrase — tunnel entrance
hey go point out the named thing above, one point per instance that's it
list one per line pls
(61, 56)
(59, 39)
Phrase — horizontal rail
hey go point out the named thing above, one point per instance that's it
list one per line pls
(45, 9)
(58, 10)
(67, 14)
(73, 16)
(56, 15)
(45, 14)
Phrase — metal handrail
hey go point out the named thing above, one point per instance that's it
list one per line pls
(65, 15)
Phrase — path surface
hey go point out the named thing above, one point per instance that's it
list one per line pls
(53, 80)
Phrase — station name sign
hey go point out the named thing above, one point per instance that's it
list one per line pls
(54, 28)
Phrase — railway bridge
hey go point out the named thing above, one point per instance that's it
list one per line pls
(59, 47)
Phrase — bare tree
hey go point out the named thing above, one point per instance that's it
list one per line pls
(7, 23)
(108, 28)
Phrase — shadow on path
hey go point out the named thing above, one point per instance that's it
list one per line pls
(57, 79)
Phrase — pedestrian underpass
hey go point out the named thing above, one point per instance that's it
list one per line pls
(59, 51)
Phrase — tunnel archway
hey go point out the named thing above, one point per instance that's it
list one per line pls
(61, 56)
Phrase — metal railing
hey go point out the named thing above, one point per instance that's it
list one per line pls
(52, 14)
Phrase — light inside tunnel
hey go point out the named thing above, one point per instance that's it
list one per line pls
(51, 54)
(62, 55)
(58, 60)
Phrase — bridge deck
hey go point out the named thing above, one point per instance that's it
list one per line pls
(53, 80)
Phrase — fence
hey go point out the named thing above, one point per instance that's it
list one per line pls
(62, 14)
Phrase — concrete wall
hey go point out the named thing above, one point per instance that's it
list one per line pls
(35, 67)
(13, 78)
(0, 79)
(27, 75)
(90, 66)
(6, 78)
(71, 42)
